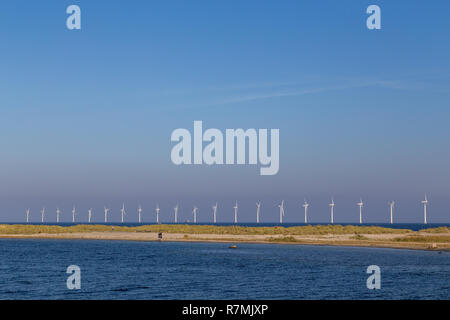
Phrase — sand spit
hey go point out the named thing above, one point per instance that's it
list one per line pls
(419, 240)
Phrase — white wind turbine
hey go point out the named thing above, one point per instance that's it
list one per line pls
(235, 212)
(425, 203)
(122, 212)
(281, 206)
(28, 215)
(157, 213)
(58, 212)
(106, 213)
(215, 212)
(360, 204)
(195, 214)
(89, 215)
(42, 215)
(391, 209)
(306, 205)
(258, 211)
(176, 212)
(73, 214)
(332, 210)
(140, 213)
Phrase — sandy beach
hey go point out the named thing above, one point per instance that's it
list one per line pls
(361, 240)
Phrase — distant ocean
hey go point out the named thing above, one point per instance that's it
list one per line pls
(411, 226)
(36, 269)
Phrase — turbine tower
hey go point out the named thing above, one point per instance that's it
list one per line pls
(176, 213)
(195, 214)
(215, 212)
(42, 215)
(332, 210)
(28, 215)
(140, 213)
(425, 203)
(235, 212)
(391, 208)
(360, 204)
(281, 206)
(258, 211)
(106, 214)
(57, 214)
(122, 212)
(89, 215)
(306, 205)
(73, 214)
(157, 213)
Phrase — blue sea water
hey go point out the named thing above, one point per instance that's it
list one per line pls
(36, 269)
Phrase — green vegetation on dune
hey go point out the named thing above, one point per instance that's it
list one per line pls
(204, 229)
(437, 230)
(284, 239)
(437, 239)
(237, 230)
(359, 237)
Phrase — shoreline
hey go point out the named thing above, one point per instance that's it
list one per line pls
(340, 240)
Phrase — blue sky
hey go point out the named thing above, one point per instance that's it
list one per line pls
(86, 116)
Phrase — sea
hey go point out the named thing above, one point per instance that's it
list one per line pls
(37, 269)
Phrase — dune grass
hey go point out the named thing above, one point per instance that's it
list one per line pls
(437, 239)
(437, 230)
(284, 239)
(359, 237)
(204, 229)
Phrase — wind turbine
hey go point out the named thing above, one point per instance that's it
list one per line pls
(140, 213)
(215, 212)
(57, 214)
(106, 214)
(176, 213)
(73, 214)
(235, 212)
(391, 208)
(332, 210)
(281, 206)
(360, 204)
(42, 214)
(89, 215)
(258, 210)
(157, 213)
(122, 212)
(425, 203)
(195, 214)
(306, 205)
(28, 215)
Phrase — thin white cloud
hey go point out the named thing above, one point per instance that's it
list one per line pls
(222, 95)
